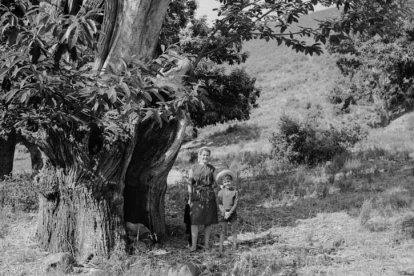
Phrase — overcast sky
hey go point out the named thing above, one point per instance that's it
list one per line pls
(205, 7)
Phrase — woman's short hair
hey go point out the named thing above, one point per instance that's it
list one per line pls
(206, 149)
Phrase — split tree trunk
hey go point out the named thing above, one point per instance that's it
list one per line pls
(146, 177)
(35, 157)
(82, 199)
(7, 147)
(82, 206)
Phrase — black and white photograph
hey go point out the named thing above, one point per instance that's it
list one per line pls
(207, 137)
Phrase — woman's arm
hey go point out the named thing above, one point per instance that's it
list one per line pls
(190, 185)
(215, 185)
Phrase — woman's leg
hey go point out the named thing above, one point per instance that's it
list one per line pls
(207, 236)
(223, 231)
(194, 237)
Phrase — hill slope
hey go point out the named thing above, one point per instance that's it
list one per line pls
(291, 83)
(297, 85)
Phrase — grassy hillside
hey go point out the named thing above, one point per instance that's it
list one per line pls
(291, 83)
(296, 85)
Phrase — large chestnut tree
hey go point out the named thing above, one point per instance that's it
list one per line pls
(82, 82)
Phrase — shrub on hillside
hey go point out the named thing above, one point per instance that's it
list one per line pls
(379, 68)
(396, 198)
(17, 193)
(307, 143)
(255, 162)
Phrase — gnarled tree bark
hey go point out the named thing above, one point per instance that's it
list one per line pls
(146, 177)
(133, 31)
(86, 199)
(81, 196)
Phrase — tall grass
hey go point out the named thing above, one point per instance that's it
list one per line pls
(18, 193)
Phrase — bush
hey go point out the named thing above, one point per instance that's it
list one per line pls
(18, 193)
(256, 162)
(379, 68)
(307, 143)
(396, 198)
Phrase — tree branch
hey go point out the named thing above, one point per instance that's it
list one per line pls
(217, 28)
(183, 121)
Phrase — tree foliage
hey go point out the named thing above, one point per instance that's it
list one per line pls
(225, 96)
(46, 88)
(379, 61)
(309, 143)
(47, 77)
(229, 96)
(180, 13)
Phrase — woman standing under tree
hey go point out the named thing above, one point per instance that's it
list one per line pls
(202, 199)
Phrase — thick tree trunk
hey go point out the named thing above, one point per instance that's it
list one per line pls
(82, 206)
(133, 32)
(7, 148)
(146, 178)
(35, 157)
(81, 195)
(82, 200)
(74, 217)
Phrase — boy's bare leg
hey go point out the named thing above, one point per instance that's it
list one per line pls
(234, 234)
(222, 235)
(207, 236)
(194, 236)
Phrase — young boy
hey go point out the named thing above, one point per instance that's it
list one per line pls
(228, 198)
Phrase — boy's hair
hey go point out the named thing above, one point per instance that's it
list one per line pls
(228, 176)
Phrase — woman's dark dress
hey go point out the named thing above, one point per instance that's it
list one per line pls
(203, 200)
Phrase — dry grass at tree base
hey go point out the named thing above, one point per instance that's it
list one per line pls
(19, 253)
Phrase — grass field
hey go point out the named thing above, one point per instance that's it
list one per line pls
(355, 220)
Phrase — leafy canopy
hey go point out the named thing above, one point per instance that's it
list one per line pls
(44, 87)
(379, 61)
(49, 82)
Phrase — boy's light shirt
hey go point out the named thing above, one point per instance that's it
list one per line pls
(228, 191)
